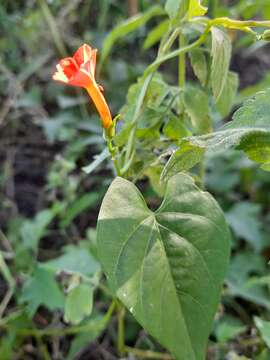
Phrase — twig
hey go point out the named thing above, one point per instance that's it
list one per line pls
(148, 354)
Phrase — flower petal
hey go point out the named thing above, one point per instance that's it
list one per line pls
(60, 76)
(83, 54)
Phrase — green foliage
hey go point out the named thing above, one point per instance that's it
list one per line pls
(173, 7)
(227, 98)
(221, 56)
(42, 289)
(227, 328)
(199, 65)
(79, 303)
(248, 131)
(198, 114)
(75, 259)
(127, 27)
(171, 254)
(264, 328)
(196, 9)
(244, 220)
(156, 34)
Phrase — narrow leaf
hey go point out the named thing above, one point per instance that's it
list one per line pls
(228, 96)
(127, 27)
(98, 160)
(221, 55)
(199, 65)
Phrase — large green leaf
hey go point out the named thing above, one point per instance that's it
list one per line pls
(249, 131)
(166, 266)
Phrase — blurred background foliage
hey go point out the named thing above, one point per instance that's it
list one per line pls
(49, 206)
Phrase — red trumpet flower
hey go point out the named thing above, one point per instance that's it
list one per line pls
(79, 70)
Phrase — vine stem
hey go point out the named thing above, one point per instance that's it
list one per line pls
(121, 329)
(182, 62)
(148, 354)
(66, 331)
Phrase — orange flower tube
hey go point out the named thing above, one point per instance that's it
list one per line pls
(79, 70)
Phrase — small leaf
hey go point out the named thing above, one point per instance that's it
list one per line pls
(228, 96)
(244, 220)
(199, 114)
(33, 230)
(199, 65)
(196, 9)
(244, 279)
(127, 27)
(42, 289)
(221, 55)
(182, 159)
(228, 328)
(80, 204)
(264, 328)
(79, 303)
(175, 129)
(76, 259)
(166, 266)
(98, 160)
(173, 7)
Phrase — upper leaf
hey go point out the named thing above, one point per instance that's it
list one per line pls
(249, 131)
(221, 55)
(166, 266)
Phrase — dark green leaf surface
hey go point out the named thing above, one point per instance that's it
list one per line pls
(166, 266)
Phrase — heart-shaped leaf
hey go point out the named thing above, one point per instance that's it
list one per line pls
(166, 266)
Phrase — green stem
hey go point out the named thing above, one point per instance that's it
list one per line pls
(66, 331)
(170, 41)
(121, 329)
(139, 104)
(213, 7)
(202, 173)
(10, 281)
(148, 354)
(182, 62)
(155, 65)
